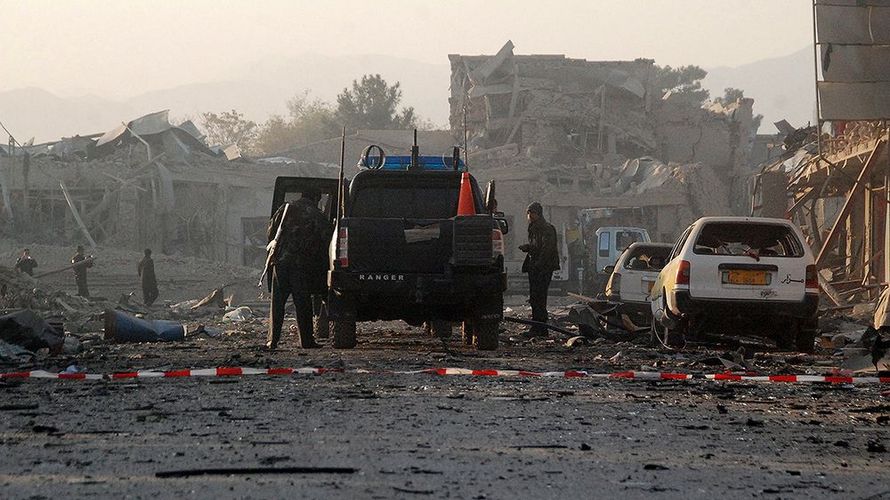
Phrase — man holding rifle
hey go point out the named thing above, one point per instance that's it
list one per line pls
(299, 234)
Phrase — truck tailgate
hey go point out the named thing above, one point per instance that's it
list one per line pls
(399, 245)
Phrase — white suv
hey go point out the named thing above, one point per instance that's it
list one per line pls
(738, 274)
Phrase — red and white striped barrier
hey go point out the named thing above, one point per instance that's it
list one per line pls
(235, 371)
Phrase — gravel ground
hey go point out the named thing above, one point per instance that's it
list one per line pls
(424, 436)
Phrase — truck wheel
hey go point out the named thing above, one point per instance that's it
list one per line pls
(467, 333)
(486, 334)
(344, 333)
(440, 329)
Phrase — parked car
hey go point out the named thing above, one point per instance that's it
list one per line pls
(739, 274)
(610, 242)
(632, 278)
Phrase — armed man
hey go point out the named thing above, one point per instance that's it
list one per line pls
(80, 271)
(541, 260)
(299, 234)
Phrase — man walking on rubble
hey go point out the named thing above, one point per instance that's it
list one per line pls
(299, 263)
(80, 272)
(541, 260)
(149, 280)
(25, 263)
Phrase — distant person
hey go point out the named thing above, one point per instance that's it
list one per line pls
(541, 260)
(149, 280)
(80, 271)
(25, 263)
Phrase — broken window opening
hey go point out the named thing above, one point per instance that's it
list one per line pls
(647, 259)
(751, 239)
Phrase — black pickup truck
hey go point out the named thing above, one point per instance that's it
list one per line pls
(399, 251)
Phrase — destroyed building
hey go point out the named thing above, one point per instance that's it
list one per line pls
(837, 188)
(597, 144)
(146, 183)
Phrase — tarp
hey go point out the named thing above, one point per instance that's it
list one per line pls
(25, 328)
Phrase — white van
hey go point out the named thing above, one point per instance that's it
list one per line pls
(744, 274)
(610, 242)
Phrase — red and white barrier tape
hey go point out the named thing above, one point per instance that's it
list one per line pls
(628, 375)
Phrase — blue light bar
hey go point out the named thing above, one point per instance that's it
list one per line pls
(439, 163)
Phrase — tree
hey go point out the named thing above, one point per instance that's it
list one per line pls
(731, 95)
(685, 80)
(372, 104)
(229, 127)
(308, 121)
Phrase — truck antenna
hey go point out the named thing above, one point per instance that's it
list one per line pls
(415, 153)
(341, 202)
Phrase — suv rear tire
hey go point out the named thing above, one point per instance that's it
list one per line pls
(486, 334)
(805, 338)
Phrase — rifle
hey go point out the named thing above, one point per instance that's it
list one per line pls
(273, 246)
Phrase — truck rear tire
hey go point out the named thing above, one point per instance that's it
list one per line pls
(486, 334)
(440, 329)
(344, 334)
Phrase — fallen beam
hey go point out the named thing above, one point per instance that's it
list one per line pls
(848, 205)
(76, 214)
(82, 263)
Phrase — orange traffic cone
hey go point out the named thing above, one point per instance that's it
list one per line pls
(465, 203)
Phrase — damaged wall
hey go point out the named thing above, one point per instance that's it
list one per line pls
(184, 200)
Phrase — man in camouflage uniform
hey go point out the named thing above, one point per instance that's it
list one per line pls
(300, 264)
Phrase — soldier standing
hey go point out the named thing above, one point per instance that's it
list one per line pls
(299, 264)
(25, 263)
(149, 280)
(541, 260)
(80, 272)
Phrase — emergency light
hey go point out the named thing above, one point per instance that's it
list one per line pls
(433, 163)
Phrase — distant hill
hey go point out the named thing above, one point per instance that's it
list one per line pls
(782, 87)
(258, 90)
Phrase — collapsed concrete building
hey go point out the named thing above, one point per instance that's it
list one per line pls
(144, 184)
(597, 143)
(837, 188)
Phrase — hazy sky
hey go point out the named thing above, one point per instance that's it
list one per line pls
(123, 48)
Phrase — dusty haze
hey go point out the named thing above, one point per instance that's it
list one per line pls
(133, 57)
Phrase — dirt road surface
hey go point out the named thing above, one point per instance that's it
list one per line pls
(428, 436)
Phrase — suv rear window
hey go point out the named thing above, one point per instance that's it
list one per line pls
(647, 258)
(406, 202)
(748, 238)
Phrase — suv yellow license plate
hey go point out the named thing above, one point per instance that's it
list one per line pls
(743, 277)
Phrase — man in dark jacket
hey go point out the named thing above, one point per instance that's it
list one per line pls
(300, 264)
(80, 271)
(149, 280)
(26, 263)
(541, 260)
